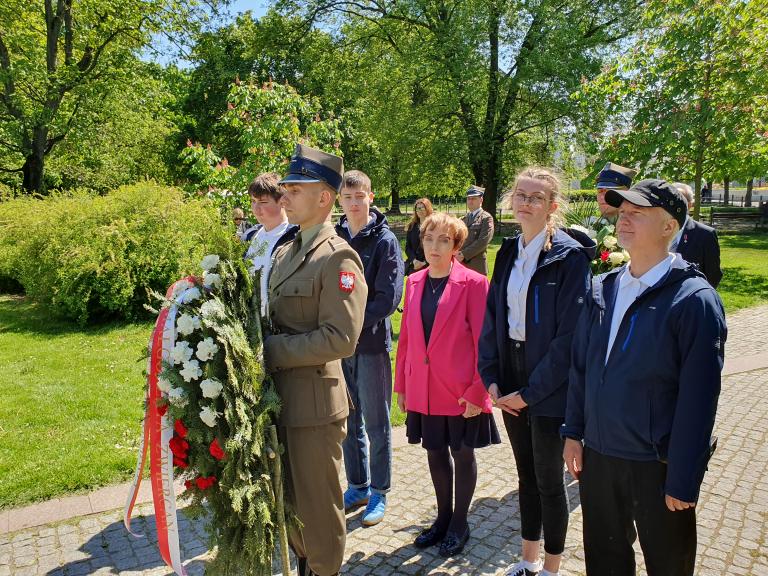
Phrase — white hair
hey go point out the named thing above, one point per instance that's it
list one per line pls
(685, 190)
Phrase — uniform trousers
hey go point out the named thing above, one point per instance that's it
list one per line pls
(619, 495)
(313, 457)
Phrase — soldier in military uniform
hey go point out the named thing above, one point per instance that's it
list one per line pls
(317, 296)
(480, 226)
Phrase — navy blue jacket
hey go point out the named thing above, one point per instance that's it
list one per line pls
(382, 259)
(698, 245)
(656, 397)
(554, 301)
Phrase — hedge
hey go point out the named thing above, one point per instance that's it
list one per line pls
(93, 258)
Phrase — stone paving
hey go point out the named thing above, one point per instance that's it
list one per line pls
(732, 511)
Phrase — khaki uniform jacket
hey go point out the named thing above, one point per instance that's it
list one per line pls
(317, 318)
(475, 246)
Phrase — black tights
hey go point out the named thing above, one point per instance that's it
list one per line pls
(441, 467)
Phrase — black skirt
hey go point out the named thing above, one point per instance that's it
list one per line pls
(437, 432)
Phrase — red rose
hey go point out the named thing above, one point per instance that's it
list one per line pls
(604, 255)
(187, 484)
(216, 450)
(180, 429)
(179, 447)
(205, 483)
(162, 409)
(180, 462)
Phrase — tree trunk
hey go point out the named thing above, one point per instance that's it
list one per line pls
(726, 190)
(748, 196)
(394, 185)
(698, 169)
(34, 163)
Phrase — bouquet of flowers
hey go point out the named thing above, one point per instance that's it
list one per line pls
(609, 254)
(210, 415)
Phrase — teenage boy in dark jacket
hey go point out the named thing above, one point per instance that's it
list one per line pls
(369, 372)
(643, 390)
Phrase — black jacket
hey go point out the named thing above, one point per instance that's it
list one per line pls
(698, 245)
(554, 301)
(413, 248)
(382, 259)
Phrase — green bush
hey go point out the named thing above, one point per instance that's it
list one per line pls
(94, 257)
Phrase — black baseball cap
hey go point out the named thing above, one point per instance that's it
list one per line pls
(652, 193)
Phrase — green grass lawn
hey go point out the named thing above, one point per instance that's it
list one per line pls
(71, 416)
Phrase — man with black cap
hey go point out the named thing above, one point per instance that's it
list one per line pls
(317, 296)
(480, 226)
(697, 243)
(643, 388)
(612, 177)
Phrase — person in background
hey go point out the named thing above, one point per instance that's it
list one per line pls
(479, 224)
(697, 243)
(612, 177)
(414, 253)
(271, 232)
(240, 222)
(368, 446)
(447, 407)
(643, 388)
(537, 292)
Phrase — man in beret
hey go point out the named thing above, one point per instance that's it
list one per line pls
(612, 177)
(697, 243)
(317, 296)
(480, 226)
(637, 432)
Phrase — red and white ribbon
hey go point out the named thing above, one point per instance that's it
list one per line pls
(158, 431)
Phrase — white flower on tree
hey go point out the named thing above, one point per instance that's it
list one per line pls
(211, 387)
(177, 397)
(182, 352)
(209, 416)
(206, 349)
(211, 280)
(210, 262)
(186, 324)
(191, 371)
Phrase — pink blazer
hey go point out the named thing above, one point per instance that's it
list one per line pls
(434, 377)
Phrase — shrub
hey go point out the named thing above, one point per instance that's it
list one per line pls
(95, 257)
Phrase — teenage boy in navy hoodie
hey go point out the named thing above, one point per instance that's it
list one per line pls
(643, 390)
(369, 371)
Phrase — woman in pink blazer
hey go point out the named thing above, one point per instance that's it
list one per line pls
(436, 379)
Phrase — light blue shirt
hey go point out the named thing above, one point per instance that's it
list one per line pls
(629, 289)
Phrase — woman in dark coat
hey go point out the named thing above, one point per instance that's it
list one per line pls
(414, 253)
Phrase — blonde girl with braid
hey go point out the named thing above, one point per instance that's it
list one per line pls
(537, 292)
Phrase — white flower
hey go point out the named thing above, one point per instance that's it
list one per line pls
(206, 349)
(588, 231)
(209, 416)
(610, 242)
(615, 258)
(163, 385)
(211, 280)
(211, 309)
(179, 287)
(177, 397)
(186, 324)
(192, 294)
(191, 371)
(209, 262)
(182, 352)
(211, 387)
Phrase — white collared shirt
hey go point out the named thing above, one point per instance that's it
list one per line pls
(629, 289)
(519, 279)
(259, 255)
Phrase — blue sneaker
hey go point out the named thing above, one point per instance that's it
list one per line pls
(374, 512)
(355, 497)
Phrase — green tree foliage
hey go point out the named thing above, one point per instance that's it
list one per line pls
(94, 257)
(268, 120)
(501, 69)
(57, 59)
(688, 98)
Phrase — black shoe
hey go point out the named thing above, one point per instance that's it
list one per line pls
(453, 543)
(429, 537)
